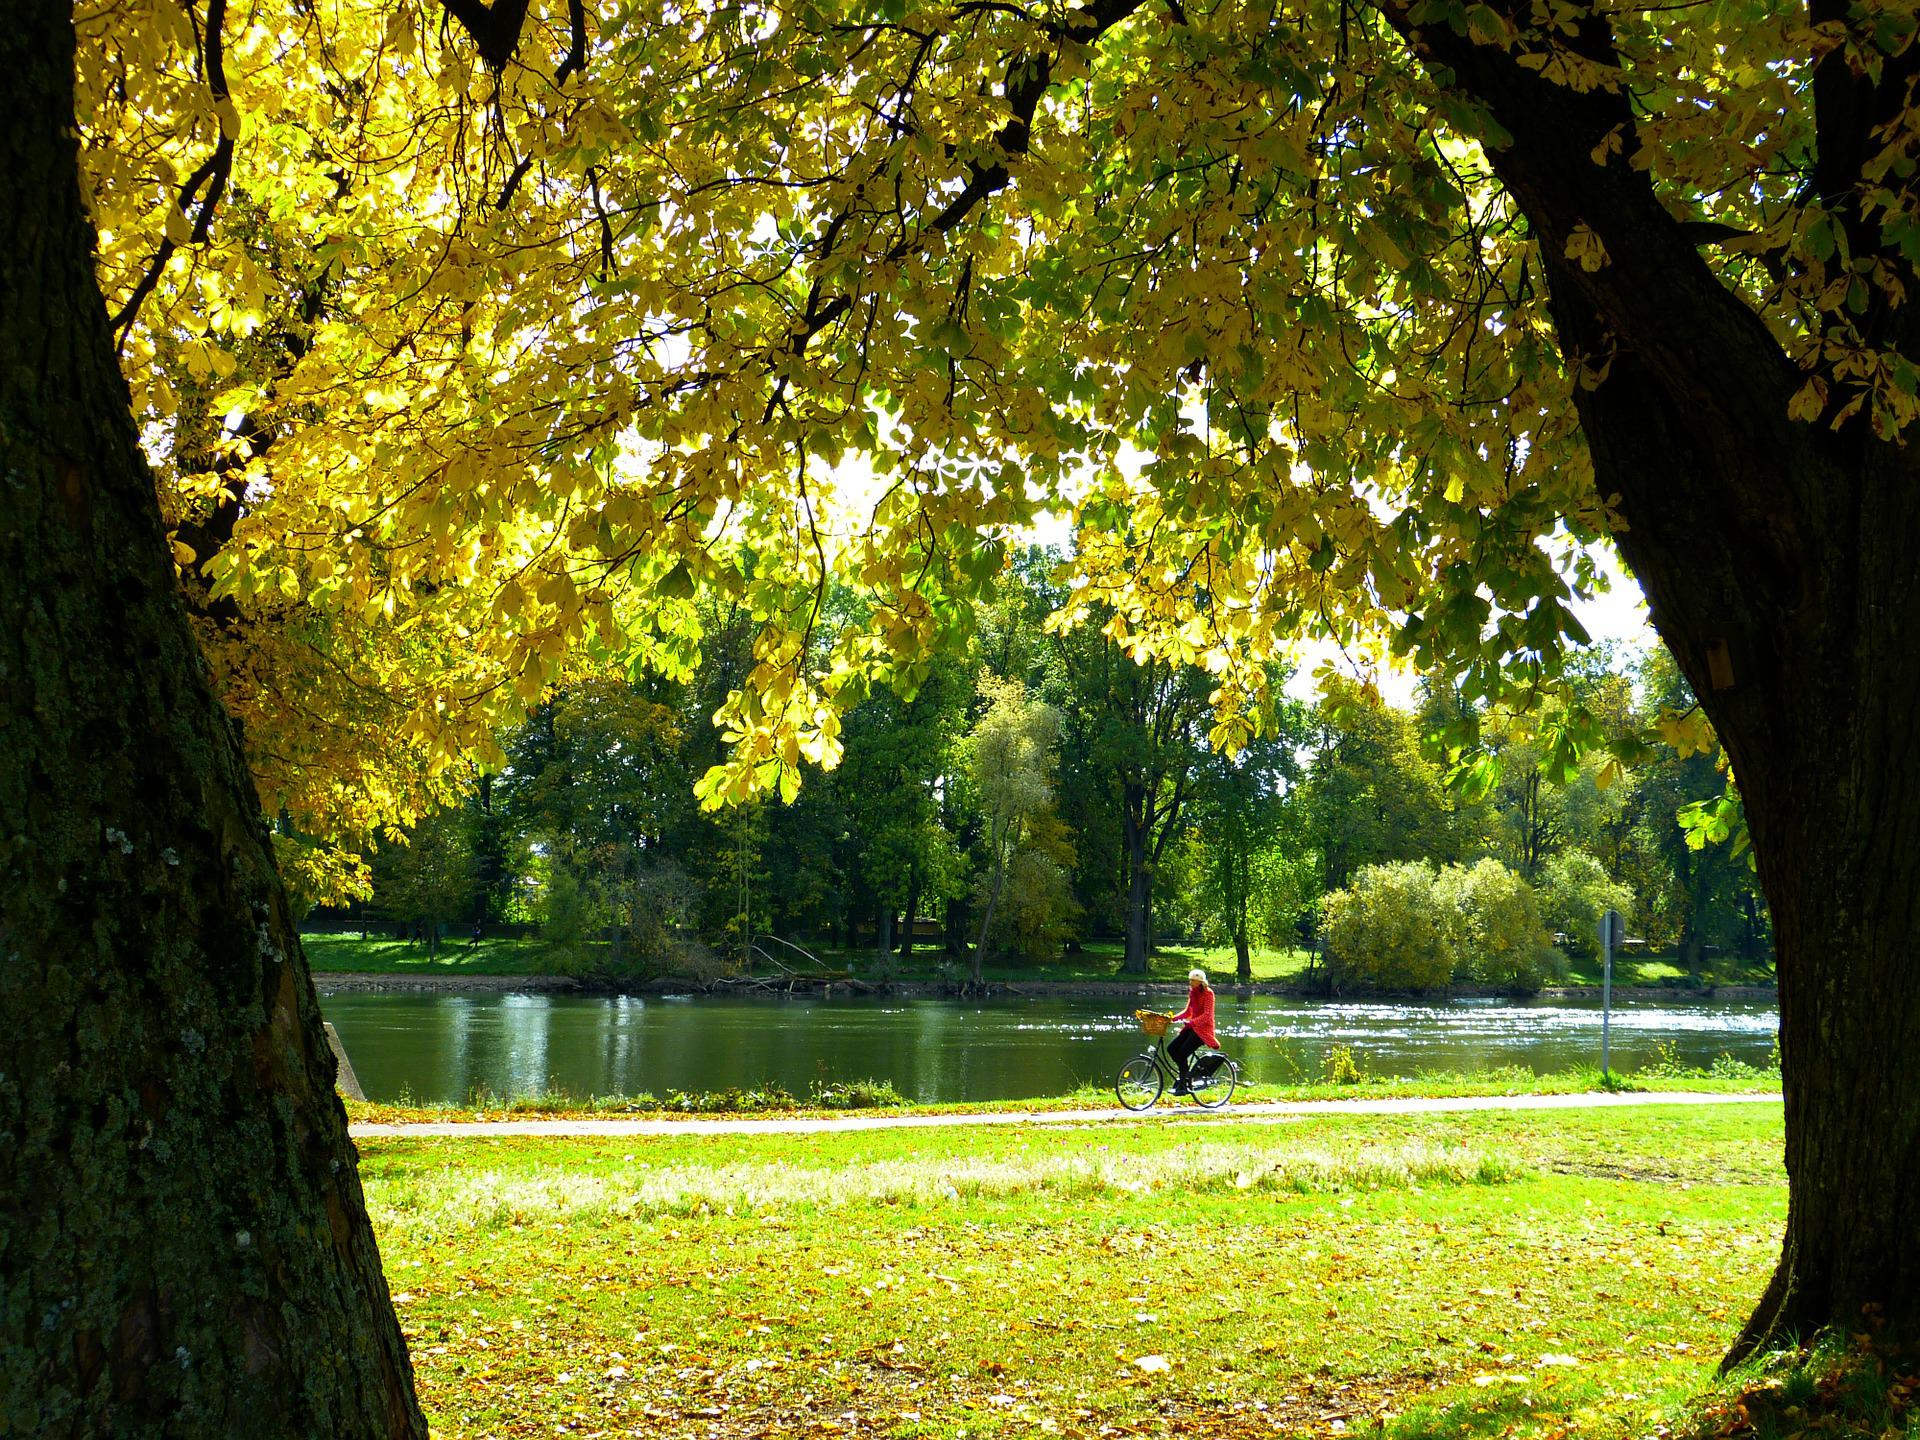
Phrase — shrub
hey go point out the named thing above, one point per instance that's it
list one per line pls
(1503, 941)
(1341, 1067)
(1574, 893)
(854, 1094)
(1390, 930)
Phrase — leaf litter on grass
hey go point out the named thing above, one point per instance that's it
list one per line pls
(749, 1304)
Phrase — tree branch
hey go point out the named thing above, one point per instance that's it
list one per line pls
(495, 29)
(213, 173)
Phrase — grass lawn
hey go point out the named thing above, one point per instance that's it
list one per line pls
(1639, 968)
(1098, 960)
(871, 1098)
(457, 957)
(1483, 1274)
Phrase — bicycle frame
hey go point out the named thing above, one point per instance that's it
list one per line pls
(1156, 1051)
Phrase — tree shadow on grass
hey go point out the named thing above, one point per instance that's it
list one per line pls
(1495, 1412)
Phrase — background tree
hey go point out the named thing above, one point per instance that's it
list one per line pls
(1371, 795)
(1238, 805)
(1143, 732)
(430, 877)
(1009, 763)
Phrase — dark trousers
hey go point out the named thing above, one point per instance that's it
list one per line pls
(1181, 1050)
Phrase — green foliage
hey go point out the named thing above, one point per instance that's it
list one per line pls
(1341, 1068)
(1410, 926)
(1501, 939)
(1390, 930)
(1371, 795)
(570, 914)
(1009, 758)
(1575, 892)
(1036, 910)
(427, 876)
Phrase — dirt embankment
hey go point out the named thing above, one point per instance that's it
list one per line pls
(334, 982)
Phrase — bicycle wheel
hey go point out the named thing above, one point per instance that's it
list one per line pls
(1139, 1083)
(1217, 1089)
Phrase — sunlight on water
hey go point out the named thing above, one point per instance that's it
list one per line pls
(445, 1047)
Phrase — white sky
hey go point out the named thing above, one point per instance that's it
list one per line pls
(1619, 615)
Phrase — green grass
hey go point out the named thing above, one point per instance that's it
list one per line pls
(1665, 971)
(1862, 1384)
(1098, 961)
(456, 957)
(873, 1097)
(1482, 1274)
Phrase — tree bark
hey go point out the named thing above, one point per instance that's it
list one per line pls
(912, 916)
(1139, 951)
(184, 1249)
(1781, 563)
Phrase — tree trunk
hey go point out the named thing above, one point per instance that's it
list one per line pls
(912, 916)
(1139, 897)
(1781, 563)
(886, 930)
(184, 1249)
(1243, 958)
(979, 961)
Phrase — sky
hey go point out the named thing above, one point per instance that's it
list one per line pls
(1619, 616)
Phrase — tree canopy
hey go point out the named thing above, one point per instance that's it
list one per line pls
(472, 341)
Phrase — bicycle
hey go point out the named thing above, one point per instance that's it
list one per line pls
(1212, 1075)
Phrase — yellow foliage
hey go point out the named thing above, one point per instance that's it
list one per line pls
(509, 356)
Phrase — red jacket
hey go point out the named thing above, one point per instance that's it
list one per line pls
(1199, 1014)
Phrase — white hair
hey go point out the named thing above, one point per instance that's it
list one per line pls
(1196, 977)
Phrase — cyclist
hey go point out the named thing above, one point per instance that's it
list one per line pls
(1199, 1022)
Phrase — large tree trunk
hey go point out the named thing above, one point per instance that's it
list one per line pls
(1781, 562)
(184, 1249)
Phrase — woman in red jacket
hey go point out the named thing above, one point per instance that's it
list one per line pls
(1199, 1019)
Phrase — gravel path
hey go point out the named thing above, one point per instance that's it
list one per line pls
(1262, 1110)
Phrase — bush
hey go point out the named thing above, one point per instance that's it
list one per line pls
(1503, 941)
(1408, 926)
(1390, 930)
(1574, 893)
(1341, 1067)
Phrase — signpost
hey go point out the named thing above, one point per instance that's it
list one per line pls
(1612, 931)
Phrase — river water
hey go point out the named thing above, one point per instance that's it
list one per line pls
(447, 1047)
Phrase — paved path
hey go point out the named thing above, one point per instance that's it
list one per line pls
(1261, 1110)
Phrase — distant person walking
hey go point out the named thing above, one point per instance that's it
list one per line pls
(1199, 1021)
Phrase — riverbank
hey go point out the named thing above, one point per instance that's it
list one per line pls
(349, 962)
(1529, 1274)
(843, 988)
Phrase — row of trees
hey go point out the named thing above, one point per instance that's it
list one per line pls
(1042, 790)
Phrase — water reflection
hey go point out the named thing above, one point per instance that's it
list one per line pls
(444, 1047)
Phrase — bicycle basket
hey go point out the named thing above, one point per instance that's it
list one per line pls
(1152, 1021)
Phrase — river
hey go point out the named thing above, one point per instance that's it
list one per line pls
(447, 1047)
